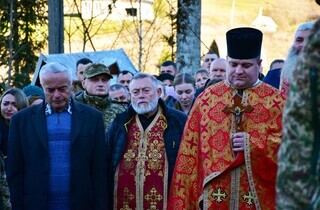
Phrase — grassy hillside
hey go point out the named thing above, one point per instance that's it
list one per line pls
(287, 14)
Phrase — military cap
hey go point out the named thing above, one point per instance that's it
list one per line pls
(96, 69)
(244, 43)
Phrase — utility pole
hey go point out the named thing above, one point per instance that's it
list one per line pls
(56, 27)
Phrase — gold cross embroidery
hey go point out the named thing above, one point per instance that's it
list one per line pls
(248, 198)
(219, 195)
(153, 197)
(126, 197)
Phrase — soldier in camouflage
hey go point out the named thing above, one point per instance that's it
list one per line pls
(4, 190)
(96, 83)
(298, 178)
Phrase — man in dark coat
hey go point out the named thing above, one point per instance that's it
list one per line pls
(56, 153)
(143, 143)
(273, 75)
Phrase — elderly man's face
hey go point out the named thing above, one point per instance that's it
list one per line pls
(300, 40)
(57, 90)
(119, 95)
(218, 69)
(242, 74)
(144, 95)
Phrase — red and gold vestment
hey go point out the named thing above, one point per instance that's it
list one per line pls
(208, 174)
(141, 178)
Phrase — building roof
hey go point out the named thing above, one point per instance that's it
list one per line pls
(117, 60)
(264, 23)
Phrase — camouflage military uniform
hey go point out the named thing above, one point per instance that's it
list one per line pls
(77, 87)
(4, 190)
(108, 108)
(297, 188)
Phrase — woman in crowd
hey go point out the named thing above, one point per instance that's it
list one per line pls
(12, 101)
(201, 77)
(184, 86)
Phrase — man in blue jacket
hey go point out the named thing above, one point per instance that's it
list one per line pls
(142, 146)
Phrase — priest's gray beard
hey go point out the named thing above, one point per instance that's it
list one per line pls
(152, 105)
(289, 65)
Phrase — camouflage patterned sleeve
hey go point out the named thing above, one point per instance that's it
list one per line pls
(296, 187)
(4, 190)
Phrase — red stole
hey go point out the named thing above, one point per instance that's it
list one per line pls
(141, 177)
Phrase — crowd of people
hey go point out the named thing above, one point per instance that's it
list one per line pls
(224, 138)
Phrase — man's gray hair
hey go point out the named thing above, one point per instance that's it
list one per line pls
(145, 75)
(304, 27)
(117, 86)
(54, 67)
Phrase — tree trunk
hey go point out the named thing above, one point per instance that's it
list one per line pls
(188, 35)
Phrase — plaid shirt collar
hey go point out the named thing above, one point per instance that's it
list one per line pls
(49, 110)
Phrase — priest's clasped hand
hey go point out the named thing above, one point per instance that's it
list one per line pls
(238, 141)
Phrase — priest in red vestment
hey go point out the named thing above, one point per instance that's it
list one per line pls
(228, 153)
(142, 146)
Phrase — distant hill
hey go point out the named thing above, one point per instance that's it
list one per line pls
(217, 18)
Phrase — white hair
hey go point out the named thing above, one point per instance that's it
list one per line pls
(304, 27)
(54, 67)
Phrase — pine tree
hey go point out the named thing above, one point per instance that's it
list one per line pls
(23, 34)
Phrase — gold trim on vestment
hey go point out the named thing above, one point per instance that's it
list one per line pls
(210, 177)
(249, 172)
(166, 174)
(235, 188)
(143, 144)
(205, 197)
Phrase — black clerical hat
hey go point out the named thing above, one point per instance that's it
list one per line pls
(244, 43)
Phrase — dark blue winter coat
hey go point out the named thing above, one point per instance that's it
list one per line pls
(273, 77)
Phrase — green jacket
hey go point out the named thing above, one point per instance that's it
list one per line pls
(108, 108)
